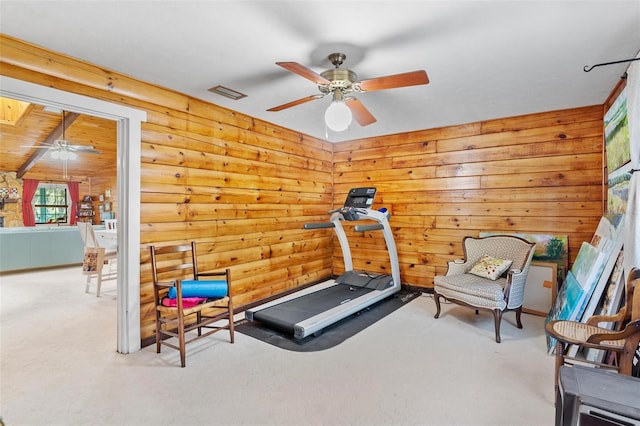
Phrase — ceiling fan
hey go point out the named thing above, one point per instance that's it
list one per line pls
(341, 83)
(61, 149)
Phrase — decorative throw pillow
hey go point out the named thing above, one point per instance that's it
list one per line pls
(490, 267)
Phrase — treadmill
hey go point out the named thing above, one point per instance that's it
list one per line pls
(352, 291)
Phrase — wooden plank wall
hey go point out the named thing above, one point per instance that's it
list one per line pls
(539, 173)
(242, 188)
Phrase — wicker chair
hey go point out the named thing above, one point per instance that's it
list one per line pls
(590, 334)
(498, 294)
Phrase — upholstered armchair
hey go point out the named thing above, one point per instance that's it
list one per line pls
(491, 276)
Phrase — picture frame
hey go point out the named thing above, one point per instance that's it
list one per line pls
(107, 206)
(609, 303)
(541, 288)
(616, 131)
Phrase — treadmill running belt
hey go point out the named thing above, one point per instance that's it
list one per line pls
(284, 315)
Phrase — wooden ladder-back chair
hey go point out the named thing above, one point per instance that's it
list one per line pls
(102, 255)
(186, 299)
(623, 341)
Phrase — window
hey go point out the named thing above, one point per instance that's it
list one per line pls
(51, 204)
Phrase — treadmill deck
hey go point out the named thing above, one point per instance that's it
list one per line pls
(284, 315)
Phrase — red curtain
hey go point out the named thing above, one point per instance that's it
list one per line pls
(74, 193)
(29, 188)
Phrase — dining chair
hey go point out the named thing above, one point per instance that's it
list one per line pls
(95, 256)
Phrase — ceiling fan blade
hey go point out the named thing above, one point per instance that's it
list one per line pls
(360, 112)
(413, 78)
(295, 103)
(81, 147)
(303, 71)
(85, 151)
(37, 146)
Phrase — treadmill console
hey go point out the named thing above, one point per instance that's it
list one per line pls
(357, 198)
(360, 198)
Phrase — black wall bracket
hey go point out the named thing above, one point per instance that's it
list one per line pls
(588, 68)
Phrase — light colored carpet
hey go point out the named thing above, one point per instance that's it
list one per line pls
(59, 367)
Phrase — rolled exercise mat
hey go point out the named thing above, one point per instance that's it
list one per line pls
(201, 288)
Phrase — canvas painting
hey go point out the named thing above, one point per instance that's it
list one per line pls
(616, 134)
(610, 237)
(618, 189)
(609, 303)
(584, 267)
(590, 272)
(612, 296)
(580, 281)
(565, 304)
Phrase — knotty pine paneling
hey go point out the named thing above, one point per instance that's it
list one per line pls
(240, 187)
(538, 173)
(243, 188)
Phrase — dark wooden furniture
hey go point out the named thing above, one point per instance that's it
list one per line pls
(170, 266)
(623, 342)
(85, 210)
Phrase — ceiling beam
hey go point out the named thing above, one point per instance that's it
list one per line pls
(39, 153)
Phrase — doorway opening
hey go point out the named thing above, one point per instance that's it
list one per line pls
(128, 182)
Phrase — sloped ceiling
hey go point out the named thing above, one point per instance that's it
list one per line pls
(21, 139)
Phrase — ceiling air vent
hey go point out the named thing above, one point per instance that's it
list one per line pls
(225, 91)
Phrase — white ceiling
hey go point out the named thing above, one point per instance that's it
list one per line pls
(485, 59)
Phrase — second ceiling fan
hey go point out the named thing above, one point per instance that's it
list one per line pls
(341, 82)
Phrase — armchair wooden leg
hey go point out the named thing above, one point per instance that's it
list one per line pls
(497, 318)
(436, 298)
(518, 315)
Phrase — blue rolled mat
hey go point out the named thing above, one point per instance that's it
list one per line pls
(201, 288)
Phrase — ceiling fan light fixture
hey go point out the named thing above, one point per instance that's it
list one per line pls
(338, 116)
(63, 154)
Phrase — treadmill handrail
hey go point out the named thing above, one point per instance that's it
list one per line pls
(365, 228)
(319, 225)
